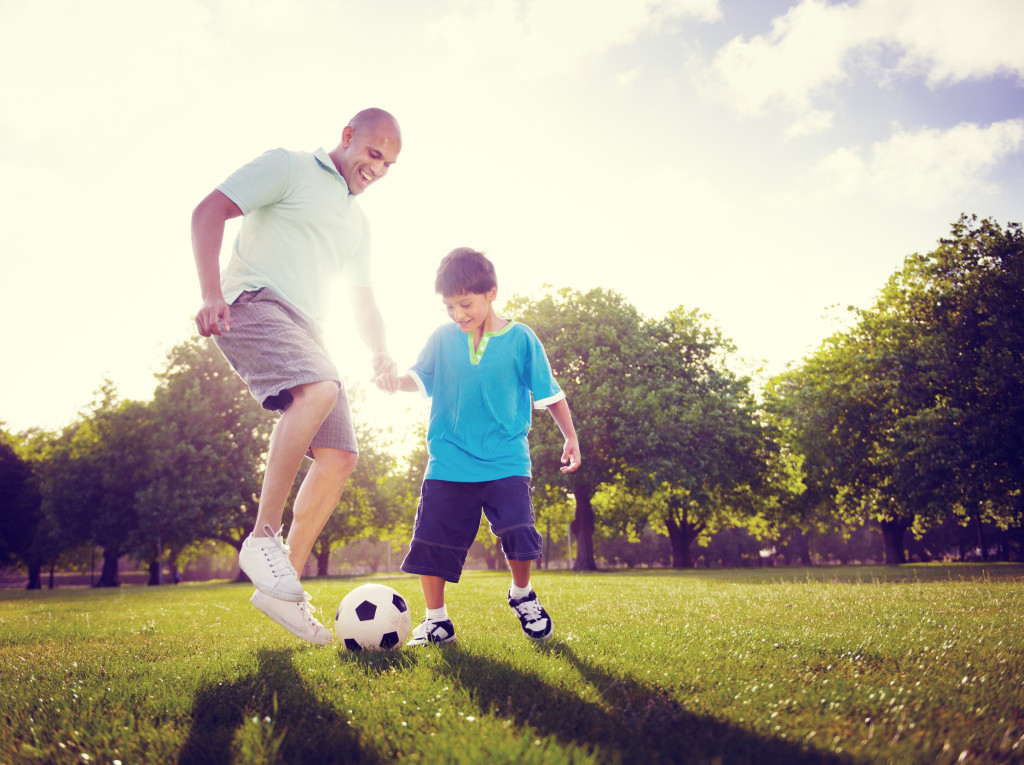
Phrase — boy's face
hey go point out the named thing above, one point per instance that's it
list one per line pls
(470, 310)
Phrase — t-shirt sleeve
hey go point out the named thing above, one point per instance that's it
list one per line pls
(425, 368)
(259, 183)
(537, 375)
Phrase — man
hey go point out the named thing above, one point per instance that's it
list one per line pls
(302, 227)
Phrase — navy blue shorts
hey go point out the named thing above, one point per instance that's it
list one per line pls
(448, 518)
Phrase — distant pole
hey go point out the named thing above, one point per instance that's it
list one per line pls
(547, 547)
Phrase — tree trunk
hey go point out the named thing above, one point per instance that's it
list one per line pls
(981, 537)
(892, 534)
(110, 576)
(681, 536)
(582, 528)
(323, 559)
(35, 579)
(154, 573)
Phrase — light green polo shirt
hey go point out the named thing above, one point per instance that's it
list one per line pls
(301, 230)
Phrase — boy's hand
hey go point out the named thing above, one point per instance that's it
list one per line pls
(571, 456)
(385, 372)
(387, 382)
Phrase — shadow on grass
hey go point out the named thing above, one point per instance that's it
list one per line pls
(633, 722)
(304, 729)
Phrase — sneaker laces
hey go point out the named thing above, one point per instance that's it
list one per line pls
(307, 603)
(531, 610)
(277, 553)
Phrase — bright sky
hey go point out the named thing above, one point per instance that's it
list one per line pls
(761, 160)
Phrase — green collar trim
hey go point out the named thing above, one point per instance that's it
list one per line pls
(477, 354)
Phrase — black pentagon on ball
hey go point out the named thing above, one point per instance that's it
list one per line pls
(365, 611)
(388, 640)
(353, 645)
(399, 602)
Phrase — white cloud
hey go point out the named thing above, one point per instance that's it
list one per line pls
(63, 74)
(812, 48)
(552, 36)
(811, 123)
(804, 52)
(925, 168)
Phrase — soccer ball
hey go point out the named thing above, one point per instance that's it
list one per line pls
(374, 617)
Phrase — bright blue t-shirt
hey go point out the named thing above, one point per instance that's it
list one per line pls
(481, 401)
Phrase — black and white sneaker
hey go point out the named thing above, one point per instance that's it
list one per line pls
(432, 632)
(537, 625)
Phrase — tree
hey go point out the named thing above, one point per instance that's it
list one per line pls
(915, 412)
(21, 516)
(591, 340)
(703, 450)
(94, 471)
(203, 472)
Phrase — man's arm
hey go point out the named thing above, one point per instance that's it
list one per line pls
(208, 221)
(370, 326)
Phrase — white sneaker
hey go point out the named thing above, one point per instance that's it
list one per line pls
(432, 632)
(265, 561)
(297, 618)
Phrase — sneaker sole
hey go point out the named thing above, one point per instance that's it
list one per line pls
(288, 597)
(278, 621)
(291, 597)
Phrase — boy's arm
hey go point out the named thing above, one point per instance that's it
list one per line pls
(389, 383)
(571, 452)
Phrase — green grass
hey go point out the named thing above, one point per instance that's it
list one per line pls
(863, 665)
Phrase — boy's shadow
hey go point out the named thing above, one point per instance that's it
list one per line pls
(632, 721)
(221, 710)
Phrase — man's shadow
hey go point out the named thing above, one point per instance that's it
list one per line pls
(304, 729)
(632, 721)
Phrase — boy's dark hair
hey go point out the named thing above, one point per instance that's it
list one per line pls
(463, 271)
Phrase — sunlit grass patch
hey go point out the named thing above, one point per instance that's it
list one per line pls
(918, 664)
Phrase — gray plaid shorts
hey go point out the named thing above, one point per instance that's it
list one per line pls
(275, 347)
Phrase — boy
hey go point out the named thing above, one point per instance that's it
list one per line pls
(480, 373)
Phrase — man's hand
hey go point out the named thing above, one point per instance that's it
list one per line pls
(211, 314)
(385, 372)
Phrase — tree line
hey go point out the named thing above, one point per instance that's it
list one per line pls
(909, 421)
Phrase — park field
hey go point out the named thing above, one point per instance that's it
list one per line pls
(920, 664)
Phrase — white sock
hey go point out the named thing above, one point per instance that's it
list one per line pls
(437, 614)
(519, 592)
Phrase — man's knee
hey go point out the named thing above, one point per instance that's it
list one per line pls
(322, 395)
(336, 462)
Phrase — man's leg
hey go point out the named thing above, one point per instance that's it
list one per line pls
(289, 442)
(318, 496)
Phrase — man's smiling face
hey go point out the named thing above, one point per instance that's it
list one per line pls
(367, 153)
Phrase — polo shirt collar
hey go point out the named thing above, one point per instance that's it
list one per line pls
(324, 160)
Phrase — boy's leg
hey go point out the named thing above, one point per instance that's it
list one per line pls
(521, 572)
(433, 591)
(436, 627)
